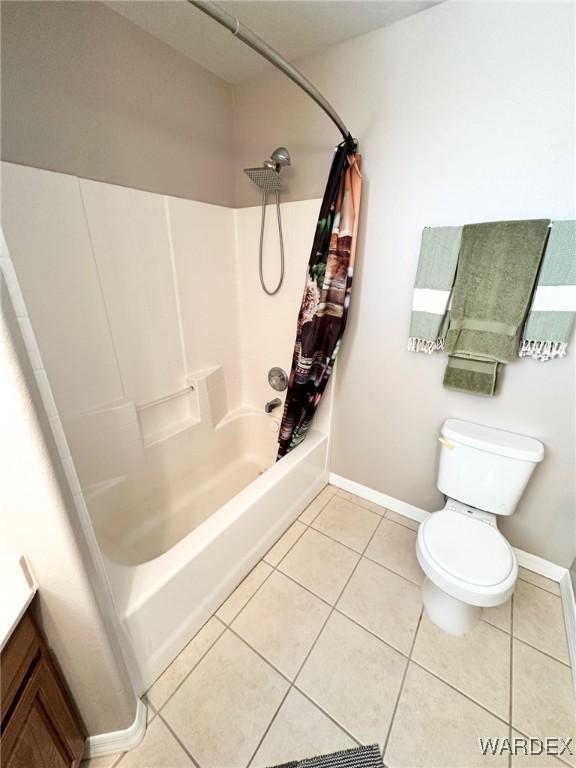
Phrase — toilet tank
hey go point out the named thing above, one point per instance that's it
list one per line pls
(484, 467)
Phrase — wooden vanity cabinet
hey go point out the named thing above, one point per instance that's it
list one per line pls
(39, 724)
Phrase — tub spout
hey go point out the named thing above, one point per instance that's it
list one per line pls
(276, 403)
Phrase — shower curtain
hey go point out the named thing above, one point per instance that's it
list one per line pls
(326, 299)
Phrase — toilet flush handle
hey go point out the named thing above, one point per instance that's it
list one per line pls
(447, 443)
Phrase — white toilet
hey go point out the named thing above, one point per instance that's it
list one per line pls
(468, 563)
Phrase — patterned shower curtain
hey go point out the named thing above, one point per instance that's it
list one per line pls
(326, 299)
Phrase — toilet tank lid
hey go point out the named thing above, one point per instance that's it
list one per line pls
(493, 440)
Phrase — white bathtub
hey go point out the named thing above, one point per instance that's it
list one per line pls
(172, 565)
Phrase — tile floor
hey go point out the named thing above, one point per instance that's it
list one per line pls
(325, 646)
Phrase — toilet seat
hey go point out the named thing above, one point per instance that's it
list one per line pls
(467, 557)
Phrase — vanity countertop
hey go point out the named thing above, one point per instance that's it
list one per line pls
(17, 589)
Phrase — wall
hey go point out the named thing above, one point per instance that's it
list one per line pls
(35, 499)
(133, 300)
(465, 113)
(268, 323)
(86, 92)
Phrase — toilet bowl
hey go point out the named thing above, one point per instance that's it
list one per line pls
(469, 564)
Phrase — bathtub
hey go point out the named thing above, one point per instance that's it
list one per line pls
(177, 557)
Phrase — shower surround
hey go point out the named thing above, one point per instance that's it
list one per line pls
(157, 339)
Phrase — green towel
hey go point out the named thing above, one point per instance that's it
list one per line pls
(433, 288)
(497, 269)
(549, 325)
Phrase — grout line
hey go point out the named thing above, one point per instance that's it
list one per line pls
(558, 757)
(333, 608)
(273, 565)
(181, 683)
(511, 687)
(328, 715)
(400, 690)
(322, 508)
(149, 704)
(542, 589)
(312, 647)
(457, 690)
(175, 735)
(535, 648)
(258, 588)
(115, 763)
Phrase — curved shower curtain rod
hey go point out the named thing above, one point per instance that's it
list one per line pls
(250, 38)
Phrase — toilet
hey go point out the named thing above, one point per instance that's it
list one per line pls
(469, 565)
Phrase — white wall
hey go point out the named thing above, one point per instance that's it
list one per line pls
(39, 519)
(268, 323)
(133, 297)
(465, 113)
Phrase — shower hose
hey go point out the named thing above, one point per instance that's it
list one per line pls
(262, 282)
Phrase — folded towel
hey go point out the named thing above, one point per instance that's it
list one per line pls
(433, 287)
(547, 330)
(497, 270)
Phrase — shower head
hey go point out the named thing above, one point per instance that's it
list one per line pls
(267, 179)
(267, 176)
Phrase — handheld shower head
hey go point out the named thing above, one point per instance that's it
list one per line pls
(267, 179)
(280, 157)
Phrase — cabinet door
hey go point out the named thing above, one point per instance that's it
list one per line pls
(42, 731)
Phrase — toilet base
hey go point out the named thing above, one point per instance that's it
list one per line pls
(448, 613)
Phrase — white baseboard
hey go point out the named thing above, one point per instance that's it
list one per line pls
(408, 510)
(569, 604)
(525, 559)
(118, 741)
(540, 565)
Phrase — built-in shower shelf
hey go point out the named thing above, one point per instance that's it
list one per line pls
(169, 415)
(165, 434)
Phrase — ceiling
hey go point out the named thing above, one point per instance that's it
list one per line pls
(294, 27)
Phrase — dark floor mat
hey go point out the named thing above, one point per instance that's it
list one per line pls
(359, 757)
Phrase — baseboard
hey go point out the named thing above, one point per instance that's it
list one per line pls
(569, 604)
(540, 565)
(408, 510)
(525, 559)
(118, 741)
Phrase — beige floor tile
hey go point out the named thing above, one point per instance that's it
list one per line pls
(539, 620)
(243, 592)
(402, 520)
(183, 663)
(347, 522)
(524, 759)
(478, 663)
(281, 622)
(159, 749)
(106, 761)
(500, 616)
(384, 603)
(437, 727)
(320, 564)
(543, 701)
(394, 546)
(224, 707)
(539, 581)
(354, 677)
(361, 502)
(300, 730)
(284, 543)
(317, 504)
